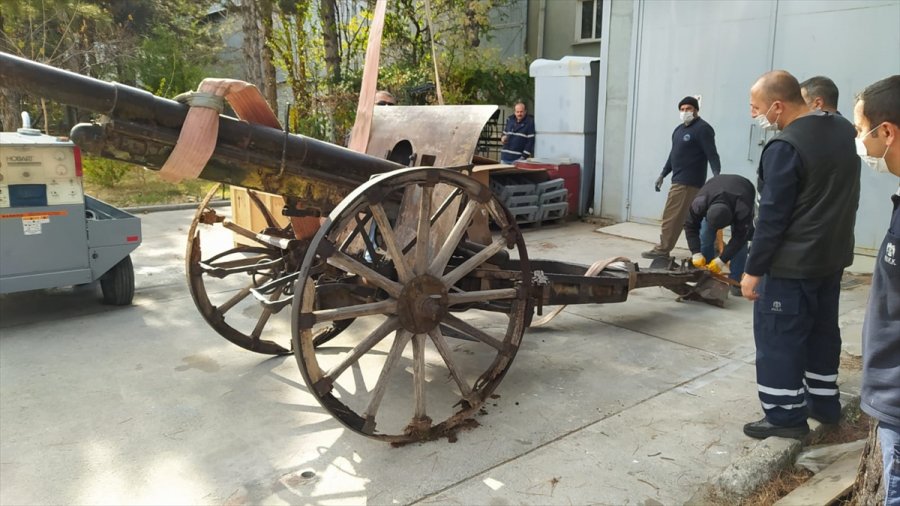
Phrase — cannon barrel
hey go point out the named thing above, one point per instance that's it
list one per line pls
(142, 128)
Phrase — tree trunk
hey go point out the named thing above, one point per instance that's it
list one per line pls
(869, 490)
(471, 25)
(269, 79)
(251, 46)
(327, 11)
(10, 102)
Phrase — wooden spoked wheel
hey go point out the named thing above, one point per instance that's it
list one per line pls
(241, 287)
(438, 323)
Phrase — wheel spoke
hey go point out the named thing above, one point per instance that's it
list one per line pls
(261, 323)
(423, 232)
(477, 259)
(372, 308)
(482, 296)
(418, 343)
(390, 240)
(441, 344)
(400, 340)
(436, 215)
(459, 228)
(476, 333)
(241, 295)
(349, 264)
(375, 337)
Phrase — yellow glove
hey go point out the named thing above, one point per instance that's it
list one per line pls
(716, 266)
(698, 260)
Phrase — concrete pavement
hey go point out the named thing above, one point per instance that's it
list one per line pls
(634, 403)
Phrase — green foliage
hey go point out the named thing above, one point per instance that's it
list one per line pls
(159, 45)
(469, 74)
(169, 63)
(104, 172)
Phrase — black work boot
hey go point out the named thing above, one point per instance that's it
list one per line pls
(762, 429)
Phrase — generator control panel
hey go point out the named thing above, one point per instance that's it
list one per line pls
(38, 170)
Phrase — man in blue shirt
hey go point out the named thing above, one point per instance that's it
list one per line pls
(693, 146)
(808, 196)
(518, 136)
(877, 118)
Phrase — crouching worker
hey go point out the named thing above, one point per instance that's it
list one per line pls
(725, 200)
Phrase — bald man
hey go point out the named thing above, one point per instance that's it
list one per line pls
(808, 195)
(384, 97)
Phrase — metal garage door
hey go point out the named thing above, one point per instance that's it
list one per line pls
(717, 49)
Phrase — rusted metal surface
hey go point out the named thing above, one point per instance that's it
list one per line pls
(439, 135)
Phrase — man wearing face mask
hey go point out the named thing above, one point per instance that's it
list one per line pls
(820, 94)
(808, 196)
(693, 147)
(877, 118)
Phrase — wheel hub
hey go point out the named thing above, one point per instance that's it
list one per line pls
(422, 304)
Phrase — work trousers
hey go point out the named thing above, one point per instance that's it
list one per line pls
(677, 205)
(798, 347)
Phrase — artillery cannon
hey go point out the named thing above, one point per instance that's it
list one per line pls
(404, 279)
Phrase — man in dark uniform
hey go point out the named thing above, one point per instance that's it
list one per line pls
(808, 196)
(820, 94)
(518, 135)
(693, 147)
(726, 199)
(877, 117)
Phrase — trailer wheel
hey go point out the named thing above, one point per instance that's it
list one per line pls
(118, 283)
(437, 326)
(226, 280)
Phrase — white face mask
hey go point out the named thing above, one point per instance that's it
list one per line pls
(877, 164)
(763, 121)
(686, 117)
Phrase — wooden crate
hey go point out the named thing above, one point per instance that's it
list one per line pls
(246, 214)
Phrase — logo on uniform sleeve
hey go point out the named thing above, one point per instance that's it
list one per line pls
(776, 306)
(890, 254)
(686, 137)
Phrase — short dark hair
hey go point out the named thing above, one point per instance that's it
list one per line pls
(881, 101)
(821, 86)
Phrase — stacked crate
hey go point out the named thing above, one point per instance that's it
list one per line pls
(531, 202)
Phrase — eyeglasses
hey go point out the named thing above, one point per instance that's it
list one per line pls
(384, 102)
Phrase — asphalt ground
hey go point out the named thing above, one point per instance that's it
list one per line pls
(640, 402)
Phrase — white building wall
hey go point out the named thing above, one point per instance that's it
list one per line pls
(717, 49)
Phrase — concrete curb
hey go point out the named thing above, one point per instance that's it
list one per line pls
(769, 456)
(172, 207)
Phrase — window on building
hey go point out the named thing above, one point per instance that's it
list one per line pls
(588, 16)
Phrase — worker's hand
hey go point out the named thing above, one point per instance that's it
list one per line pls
(698, 260)
(503, 139)
(748, 286)
(716, 266)
(659, 182)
